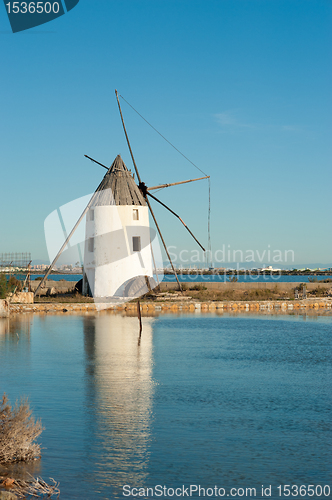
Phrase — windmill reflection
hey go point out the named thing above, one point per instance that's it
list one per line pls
(119, 392)
(4, 326)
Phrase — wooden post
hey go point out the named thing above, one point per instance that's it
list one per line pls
(140, 321)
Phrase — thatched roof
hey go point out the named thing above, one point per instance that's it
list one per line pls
(118, 187)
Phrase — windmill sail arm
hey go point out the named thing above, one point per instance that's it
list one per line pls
(86, 156)
(163, 241)
(177, 183)
(176, 215)
(125, 131)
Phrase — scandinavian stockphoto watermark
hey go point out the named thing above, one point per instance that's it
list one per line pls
(26, 15)
(226, 255)
(118, 251)
(226, 260)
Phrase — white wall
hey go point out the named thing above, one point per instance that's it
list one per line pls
(113, 260)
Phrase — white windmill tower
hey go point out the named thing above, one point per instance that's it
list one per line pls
(118, 251)
(119, 260)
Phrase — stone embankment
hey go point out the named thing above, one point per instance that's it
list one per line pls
(167, 302)
(160, 307)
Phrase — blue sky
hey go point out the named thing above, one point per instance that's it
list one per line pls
(243, 88)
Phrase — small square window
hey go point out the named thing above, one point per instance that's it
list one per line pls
(136, 243)
(91, 244)
(135, 214)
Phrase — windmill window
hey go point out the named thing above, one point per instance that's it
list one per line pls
(91, 244)
(92, 214)
(135, 214)
(136, 243)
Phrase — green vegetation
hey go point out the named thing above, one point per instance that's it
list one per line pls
(3, 286)
(9, 286)
(233, 279)
(198, 287)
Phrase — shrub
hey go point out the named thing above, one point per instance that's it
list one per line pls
(18, 432)
(319, 291)
(14, 284)
(198, 287)
(3, 286)
(9, 286)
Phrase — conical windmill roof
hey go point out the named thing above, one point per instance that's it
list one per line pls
(118, 187)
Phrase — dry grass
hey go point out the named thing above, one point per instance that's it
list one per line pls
(32, 488)
(203, 294)
(59, 298)
(18, 432)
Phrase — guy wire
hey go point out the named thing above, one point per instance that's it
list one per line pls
(209, 252)
(176, 149)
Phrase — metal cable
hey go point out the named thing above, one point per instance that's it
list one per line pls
(209, 252)
(176, 149)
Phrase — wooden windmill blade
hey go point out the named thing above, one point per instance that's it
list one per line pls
(162, 186)
(176, 215)
(86, 156)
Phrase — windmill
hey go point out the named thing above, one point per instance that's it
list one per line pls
(118, 255)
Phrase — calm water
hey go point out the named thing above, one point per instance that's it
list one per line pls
(233, 402)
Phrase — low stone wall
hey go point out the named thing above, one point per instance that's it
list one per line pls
(53, 308)
(4, 308)
(231, 306)
(156, 308)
